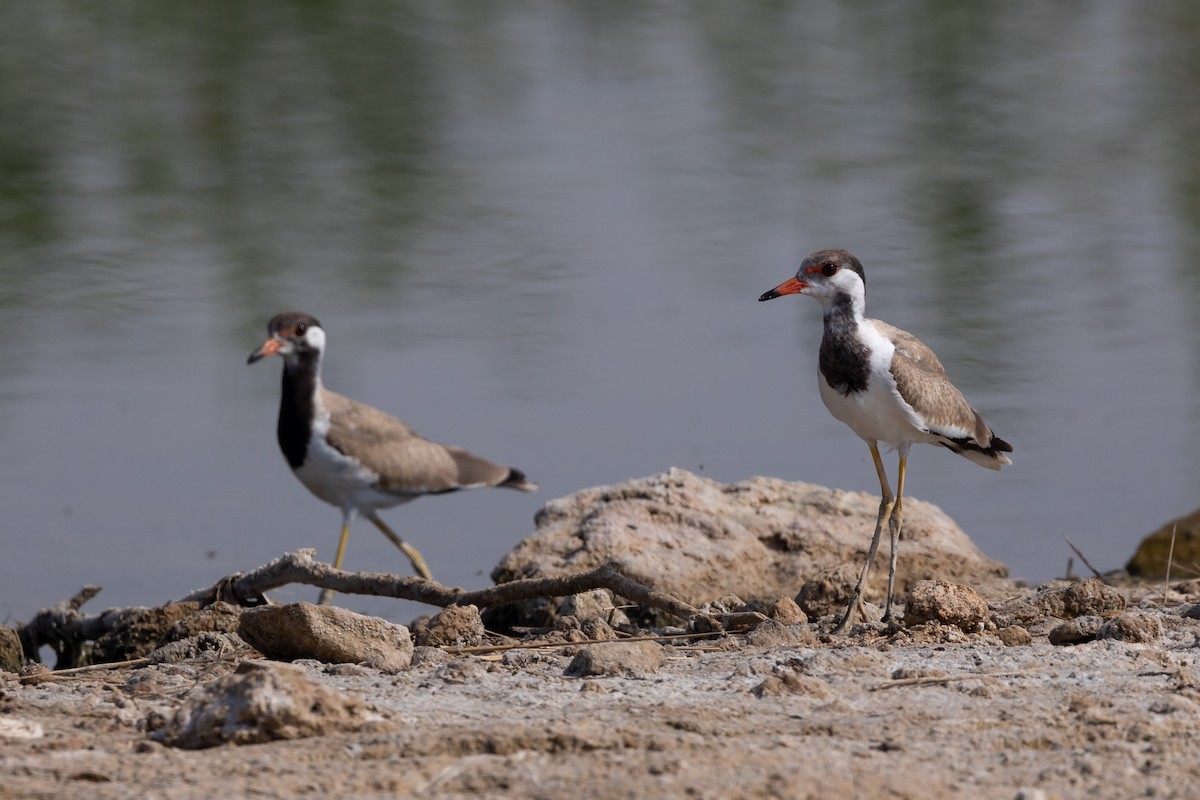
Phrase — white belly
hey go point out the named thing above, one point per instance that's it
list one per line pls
(340, 481)
(877, 414)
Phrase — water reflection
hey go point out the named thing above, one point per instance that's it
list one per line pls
(539, 229)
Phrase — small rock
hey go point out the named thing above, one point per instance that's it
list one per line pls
(908, 673)
(620, 658)
(326, 633)
(463, 670)
(829, 592)
(596, 628)
(728, 604)
(11, 655)
(566, 624)
(771, 633)
(262, 702)
(430, 657)
(1031, 794)
(219, 644)
(1173, 704)
(1131, 627)
(790, 682)
(786, 610)
(1076, 631)
(1014, 636)
(17, 728)
(1062, 599)
(927, 633)
(1090, 598)
(1192, 612)
(947, 603)
(523, 659)
(598, 603)
(33, 668)
(453, 626)
(218, 617)
(347, 670)
(139, 631)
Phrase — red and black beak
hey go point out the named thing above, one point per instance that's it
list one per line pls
(269, 348)
(790, 286)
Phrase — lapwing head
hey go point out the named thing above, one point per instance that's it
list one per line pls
(292, 334)
(824, 275)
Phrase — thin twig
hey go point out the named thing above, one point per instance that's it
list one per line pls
(1084, 559)
(496, 648)
(75, 672)
(1170, 556)
(929, 680)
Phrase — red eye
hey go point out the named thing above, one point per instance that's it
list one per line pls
(828, 269)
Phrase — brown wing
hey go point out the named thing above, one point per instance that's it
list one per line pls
(405, 462)
(922, 382)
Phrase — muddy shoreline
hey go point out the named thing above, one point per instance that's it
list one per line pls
(923, 712)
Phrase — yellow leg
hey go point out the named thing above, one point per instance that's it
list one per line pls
(414, 555)
(327, 594)
(885, 509)
(894, 523)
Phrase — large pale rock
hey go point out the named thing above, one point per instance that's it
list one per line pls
(262, 702)
(760, 538)
(1150, 559)
(326, 633)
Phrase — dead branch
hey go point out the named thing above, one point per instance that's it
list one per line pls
(248, 588)
(67, 629)
(302, 567)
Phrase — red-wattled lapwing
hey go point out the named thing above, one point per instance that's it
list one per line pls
(356, 457)
(888, 387)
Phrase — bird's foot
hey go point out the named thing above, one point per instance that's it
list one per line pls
(856, 607)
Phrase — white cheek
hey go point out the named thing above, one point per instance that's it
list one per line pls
(847, 280)
(315, 337)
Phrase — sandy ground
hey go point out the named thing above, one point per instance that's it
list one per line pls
(719, 719)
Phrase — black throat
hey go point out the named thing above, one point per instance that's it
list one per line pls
(845, 360)
(297, 406)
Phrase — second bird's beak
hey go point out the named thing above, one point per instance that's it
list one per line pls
(790, 286)
(269, 348)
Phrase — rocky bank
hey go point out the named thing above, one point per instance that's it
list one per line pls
(985, 689)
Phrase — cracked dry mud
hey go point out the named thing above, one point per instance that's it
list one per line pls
(927, 712)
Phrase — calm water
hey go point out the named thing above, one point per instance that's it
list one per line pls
(539, 230)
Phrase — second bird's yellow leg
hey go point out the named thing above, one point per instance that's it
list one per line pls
(327, 594)
(414, 555)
